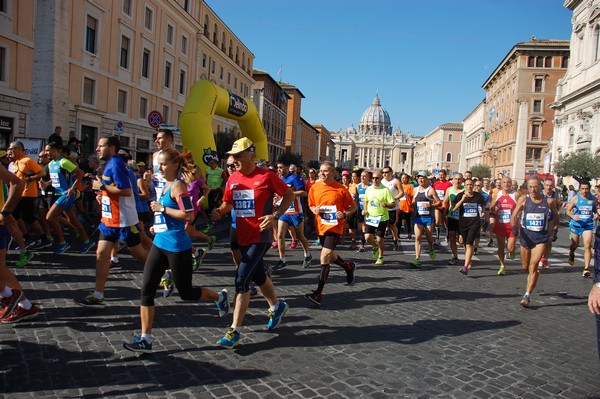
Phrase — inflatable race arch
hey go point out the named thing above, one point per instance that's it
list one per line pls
(195, 123)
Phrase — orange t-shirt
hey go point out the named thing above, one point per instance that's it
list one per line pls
(407, 199)
(322, 194)
(24, 167)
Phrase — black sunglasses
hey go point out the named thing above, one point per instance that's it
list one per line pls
(231, 165)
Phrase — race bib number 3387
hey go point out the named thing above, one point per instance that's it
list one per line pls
(243, 203)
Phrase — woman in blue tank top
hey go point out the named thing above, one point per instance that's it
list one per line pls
(532, 218)
(172, 248)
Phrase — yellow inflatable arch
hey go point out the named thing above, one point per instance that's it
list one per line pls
(206, 100)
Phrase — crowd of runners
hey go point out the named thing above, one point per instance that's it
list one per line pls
(154, 212)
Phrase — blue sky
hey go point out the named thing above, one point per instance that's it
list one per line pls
(427, 59)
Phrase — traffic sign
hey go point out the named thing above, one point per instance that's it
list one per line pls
(119, 126)
(155, 119)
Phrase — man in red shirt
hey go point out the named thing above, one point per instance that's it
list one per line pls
(440, 187)
(250, 191)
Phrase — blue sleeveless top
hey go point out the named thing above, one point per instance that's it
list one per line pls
(585, 209)
(140, 204)
(535, 219)
(175, 239)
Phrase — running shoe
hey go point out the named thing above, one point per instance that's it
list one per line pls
(20, 314)
(223, 303)
(314, 298)
(87, 245)
(166, 282)
(375, 253)
(318, 242)
(490, 243)
(464, 270)
(586, 273)
(138, 344)
(34, 244)
(276, 316)
(501, 272)
(24, 258)
(62, 248)
(7, 305)
(91, 301)
(361, 248)
(274, 245)
(453, 261)
(571, 258)
(206, 228)
(525, 301)
(43, 243)
(475, 251)
(230, 340)
(294, 244)
(115, 266)
(350, 272)
(512, 255)
(436, 242)
(307, 261)
(432, 254)
(379, 261)
(197, 260)
(280, 265)
(395, 245)
(416, 262)
(211, 242)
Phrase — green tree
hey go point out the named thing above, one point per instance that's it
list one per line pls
(581, 165)
(481, 171)
(290, 158)
(314, 164)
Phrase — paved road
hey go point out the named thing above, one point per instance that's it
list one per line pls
(397, 333)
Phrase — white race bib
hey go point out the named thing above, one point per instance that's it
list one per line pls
(423, 208)
(160, 224)
(585, 212)
(504, 216)
(106, 211)
(535, 221)
(373, 221)
(55, 180)
(440, 194)
(471, 209)
(328, 214)
(243, 203)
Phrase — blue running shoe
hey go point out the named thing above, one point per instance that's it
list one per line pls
(230, 340)
(166, 282)
(223, 303)
(139, 344)
(87, 245)
(62, 248)
(276, 316)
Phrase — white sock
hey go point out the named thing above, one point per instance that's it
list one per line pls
(6, 292)
(196, 254)
(148, 337)
(527, 293)
(306, 254)
(282, 259)
(25, 304)
(98, 294)
(236, 328)
(274, 307)
(114, 259)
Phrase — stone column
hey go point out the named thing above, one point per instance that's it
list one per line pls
(50, 73)
(518, 170)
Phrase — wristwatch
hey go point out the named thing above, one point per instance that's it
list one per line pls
(276, 215)
(6, 213)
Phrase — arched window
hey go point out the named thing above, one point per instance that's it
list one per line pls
(450, 137)
(206, 25)
(448, 157)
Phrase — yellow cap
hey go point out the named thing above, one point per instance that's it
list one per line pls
(241, 145)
